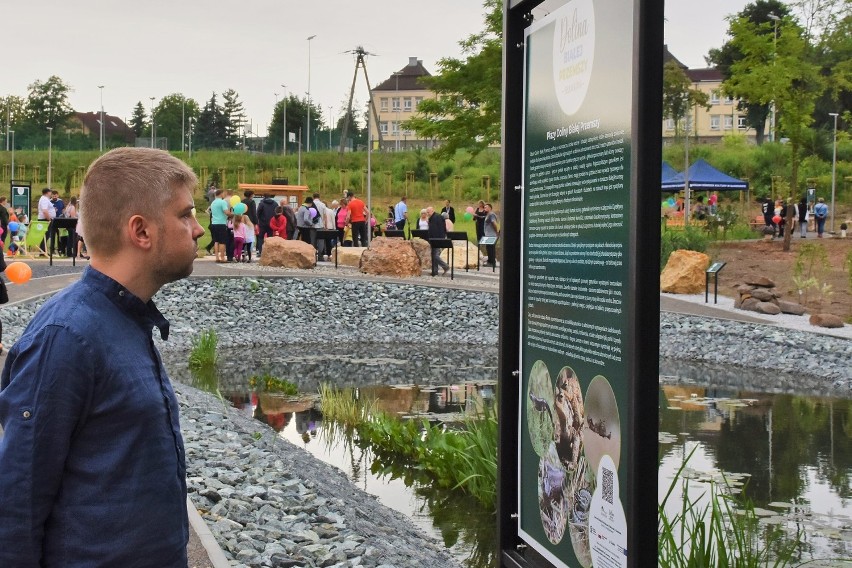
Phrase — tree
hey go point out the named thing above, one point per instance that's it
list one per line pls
(297, 110)
(209, 132)
(724, 57)
(139, 119)
(169, 112)
(679, 97)
(467, 111)
(791, 80)
(234, 114)
(47, 103)
(12, 108)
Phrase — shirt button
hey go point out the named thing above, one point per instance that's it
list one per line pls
(121, 293)
(27, 414)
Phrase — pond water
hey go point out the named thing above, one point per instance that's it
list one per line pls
(792, 452)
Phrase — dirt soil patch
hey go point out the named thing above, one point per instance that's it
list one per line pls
(767, 258)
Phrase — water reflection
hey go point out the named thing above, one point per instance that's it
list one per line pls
(444, 386)
(796, 449)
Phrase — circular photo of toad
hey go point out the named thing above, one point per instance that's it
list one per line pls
(568, 415)
(580, 492)
(540, 408)
(602, 427)
(553, 502)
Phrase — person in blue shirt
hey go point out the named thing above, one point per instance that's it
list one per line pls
(820, 214)
(400, 213)
(92, 463)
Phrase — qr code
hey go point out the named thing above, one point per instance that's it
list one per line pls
(607, 485)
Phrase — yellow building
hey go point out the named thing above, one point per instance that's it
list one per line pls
(396, 100)
(709, 126)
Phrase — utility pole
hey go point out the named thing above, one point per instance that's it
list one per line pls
(359, 62)
(152, 122)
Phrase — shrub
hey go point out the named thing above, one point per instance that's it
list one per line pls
(691, 238)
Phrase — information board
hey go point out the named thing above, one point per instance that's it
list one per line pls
(20, 198)
(575, 284)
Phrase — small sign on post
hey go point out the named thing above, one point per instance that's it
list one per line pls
(713, 271)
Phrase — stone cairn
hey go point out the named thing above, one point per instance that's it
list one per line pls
(759, 295)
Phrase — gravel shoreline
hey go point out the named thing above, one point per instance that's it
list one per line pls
(269, 503)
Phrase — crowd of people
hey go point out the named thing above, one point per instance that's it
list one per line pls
(775, 216)
(14, 225)
(239, 227)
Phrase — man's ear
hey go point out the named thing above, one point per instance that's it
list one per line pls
(140, 232)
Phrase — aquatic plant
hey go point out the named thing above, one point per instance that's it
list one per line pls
(718, 529)
(272, 384)
(203, 353)
(455, 459)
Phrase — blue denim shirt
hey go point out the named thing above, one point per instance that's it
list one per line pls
(92, 465)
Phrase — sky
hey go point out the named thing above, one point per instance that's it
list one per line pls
(139, 50)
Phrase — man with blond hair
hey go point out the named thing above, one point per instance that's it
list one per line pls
(92, 463)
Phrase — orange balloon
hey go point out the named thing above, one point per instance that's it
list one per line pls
(19, 272)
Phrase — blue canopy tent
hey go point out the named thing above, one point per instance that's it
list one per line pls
(668, 172)
(704, 177)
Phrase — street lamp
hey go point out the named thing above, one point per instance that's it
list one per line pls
(833, 168)
(49, 156)
(775, 19)
(190, 137)
(8, 122)
(182, 123)
(12, 177)
(308, 145)
(101, 87)
(152, 121)
(285, 119)
(397, 74)
(329, 126)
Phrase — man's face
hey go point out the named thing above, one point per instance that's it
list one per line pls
(177, 233)
(54, 196)
(488, 209)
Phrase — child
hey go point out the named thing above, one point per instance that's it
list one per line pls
(278, 224)
(239, 237)
(249, 237)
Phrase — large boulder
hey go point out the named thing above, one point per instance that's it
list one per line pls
(826, 320)
(348, 256)
(390, 257)
(287, 254)
(424, 252)
(684, 272)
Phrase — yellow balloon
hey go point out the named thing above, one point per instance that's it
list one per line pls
(234, 200)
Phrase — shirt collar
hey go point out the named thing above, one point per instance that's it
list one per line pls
(146, 312)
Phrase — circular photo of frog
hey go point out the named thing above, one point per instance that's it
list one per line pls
(568, 417)
(580, 492)
(539, 403)
(553, 502)
(602, 428)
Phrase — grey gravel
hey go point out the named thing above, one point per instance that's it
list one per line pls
(270, 503)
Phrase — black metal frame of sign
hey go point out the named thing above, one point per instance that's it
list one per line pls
(327, 235)
(69, 224)
(636, 391)
(445, 244)
(486, 241)
(460, 236)
(713, 271)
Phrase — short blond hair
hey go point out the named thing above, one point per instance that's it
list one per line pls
(126, 182)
